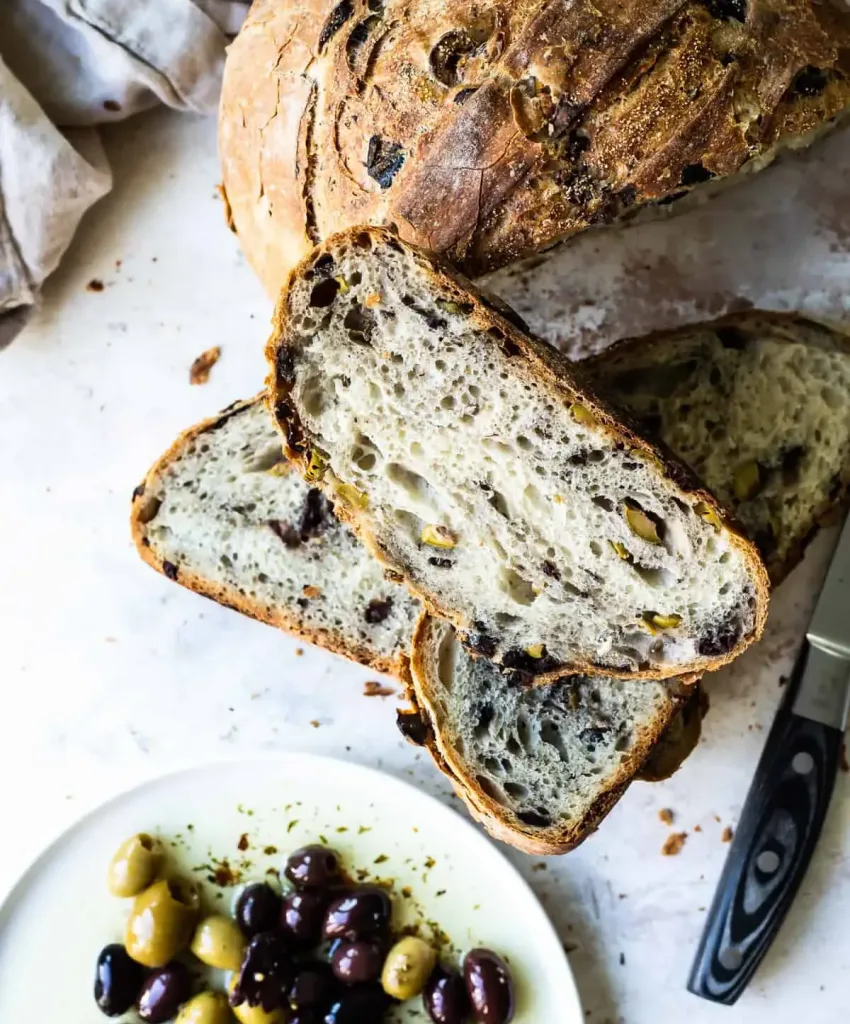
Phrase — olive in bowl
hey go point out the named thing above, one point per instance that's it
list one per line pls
(161, 922)
(118, 980)
(245, 1013)
(355, 963)
(205, 1008)
(163, 993)
(445, 998)
(134, 865)
(314, 987)
(489, 986)
(408, 966)
(312, 867)
(265, 975)
(257, 909)
(363, 1004)
(218, 942)
(303, 914)
(359, 914)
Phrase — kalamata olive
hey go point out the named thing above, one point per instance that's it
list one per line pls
(365, 1004)
(313, 986)
(206, 1008)
(218, 942)
(359, 914)
(117, 981)
(408, 966)
(445, 998)
(163, 992)
(356, 962)
(489, 986)
(266, 973)
(161, 922)
(312, 867)
(134, 865)
(303, 914)
(257, 909)
(306, 1017)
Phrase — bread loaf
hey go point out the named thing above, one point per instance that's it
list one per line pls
(491, 130)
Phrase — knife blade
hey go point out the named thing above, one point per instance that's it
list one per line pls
(786, 805)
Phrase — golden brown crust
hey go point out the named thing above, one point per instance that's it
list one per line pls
(549, 370)
(281, 617)
(493, 130)
(557, 838)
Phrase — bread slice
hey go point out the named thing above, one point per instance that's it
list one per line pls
(223, 513)
(529, 764)
(474, 464)
(758, 405)
(538, 766)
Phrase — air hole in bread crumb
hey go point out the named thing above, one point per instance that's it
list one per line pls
(518, 589)
(516, 790)
(448, 402)
(491, 789)
(324, 293)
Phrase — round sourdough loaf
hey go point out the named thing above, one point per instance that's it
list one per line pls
(493, 130)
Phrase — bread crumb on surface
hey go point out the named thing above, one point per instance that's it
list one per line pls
(372, 688)
(666, 816)
(727, 834)
(95, 285)
(200, 369)
(697, 828)
(314, 722)
(673, 844)
(299, 652)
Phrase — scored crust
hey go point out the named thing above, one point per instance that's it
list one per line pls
(551, 372)
(494, 130)
(558, 838)
(280, 616)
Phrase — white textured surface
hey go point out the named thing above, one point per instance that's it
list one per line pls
(110, 673)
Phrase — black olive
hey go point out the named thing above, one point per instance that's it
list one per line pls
(306, 1017)
(266, 972)
(117, 980)
(257, 909)
(489, 986)
(312, 867)
(361, 914)
(314, 986)
(357, 962)
(163, 992)
(445, 998)
(303, 914)
(365, 1004)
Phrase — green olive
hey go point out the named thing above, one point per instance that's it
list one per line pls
(219, 942)
(161, 922)
(247, 1014)
(134, 865)
(206, 1008)
(408, 966)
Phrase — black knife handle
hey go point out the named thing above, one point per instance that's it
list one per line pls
(779, 826)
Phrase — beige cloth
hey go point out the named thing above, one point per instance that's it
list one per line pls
(67, 66)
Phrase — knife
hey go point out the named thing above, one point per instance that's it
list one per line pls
(786, 806)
